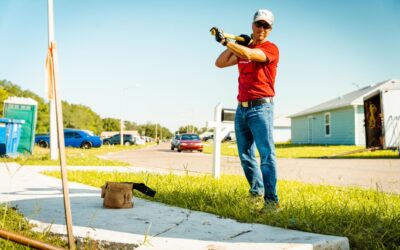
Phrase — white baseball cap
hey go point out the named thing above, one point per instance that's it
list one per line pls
(264, 15)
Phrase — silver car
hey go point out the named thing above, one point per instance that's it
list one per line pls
(175, 142)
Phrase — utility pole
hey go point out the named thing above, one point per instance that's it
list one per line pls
(156, 133)
(52, 101)
(121, 131)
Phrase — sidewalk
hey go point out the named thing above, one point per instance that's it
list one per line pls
(39, 198)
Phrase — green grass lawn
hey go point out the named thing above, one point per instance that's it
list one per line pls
(369, 218)
(13, 221)
(75, 156)
(287, 150)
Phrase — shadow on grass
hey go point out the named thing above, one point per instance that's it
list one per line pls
(369, 218)
(321, 151)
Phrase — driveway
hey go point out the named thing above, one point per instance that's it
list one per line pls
(382, 174)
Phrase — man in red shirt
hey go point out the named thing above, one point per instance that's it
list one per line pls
(257, 61)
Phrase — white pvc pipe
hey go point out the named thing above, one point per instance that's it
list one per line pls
(53, 121)
(217, 142)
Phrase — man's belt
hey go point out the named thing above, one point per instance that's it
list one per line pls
(256, 102)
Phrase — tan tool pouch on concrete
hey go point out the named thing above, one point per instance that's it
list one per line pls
(117, 195)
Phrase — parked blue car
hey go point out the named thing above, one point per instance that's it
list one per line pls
(73, 138)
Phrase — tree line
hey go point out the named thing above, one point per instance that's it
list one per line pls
(77, 116)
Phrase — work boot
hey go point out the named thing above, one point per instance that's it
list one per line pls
(255, 201)
(270, 207)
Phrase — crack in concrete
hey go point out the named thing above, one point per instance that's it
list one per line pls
(168, 229)
(176, 225)
(241, 233)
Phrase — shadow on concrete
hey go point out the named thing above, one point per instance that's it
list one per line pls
(165, 221)
(31, 191)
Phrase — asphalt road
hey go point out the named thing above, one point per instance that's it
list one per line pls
(382, 174)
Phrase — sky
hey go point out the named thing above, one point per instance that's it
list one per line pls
(153, 61)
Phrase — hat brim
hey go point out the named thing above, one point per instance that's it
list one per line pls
(263, 19)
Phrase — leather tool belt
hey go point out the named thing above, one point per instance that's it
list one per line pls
(119, 194)
(256, 102)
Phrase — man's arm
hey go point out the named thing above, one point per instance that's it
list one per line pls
(226, 59)
(230, 55)
(246, 53)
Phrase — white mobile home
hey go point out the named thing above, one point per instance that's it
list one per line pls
(339, 121)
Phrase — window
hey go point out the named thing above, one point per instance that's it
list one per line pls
(327, 124)
(190, 137)
(68, 135)
(77, 135)
(87, 132)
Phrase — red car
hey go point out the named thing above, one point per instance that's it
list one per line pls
(187, 142)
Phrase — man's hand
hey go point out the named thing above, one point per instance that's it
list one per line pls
(246, 42)
(219, 35)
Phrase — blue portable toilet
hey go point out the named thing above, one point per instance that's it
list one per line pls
(10, 132)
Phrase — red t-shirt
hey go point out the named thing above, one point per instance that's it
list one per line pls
(257, 79)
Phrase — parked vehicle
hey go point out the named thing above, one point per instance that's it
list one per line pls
(139, 140)
(208, 137)
(187, 142)
(116, 140)
(175, 142)
(72, 138)
(229, 137)
(147, 138)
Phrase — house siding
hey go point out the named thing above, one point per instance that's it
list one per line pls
(310, 129)
(299, 130)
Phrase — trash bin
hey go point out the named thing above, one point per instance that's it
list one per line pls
(10, 131)
(23, 109)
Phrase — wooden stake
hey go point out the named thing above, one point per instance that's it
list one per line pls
(63, 162)
(53, 77)
(22, 240)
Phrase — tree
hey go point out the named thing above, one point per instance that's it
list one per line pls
(42, 124)
(204, 129)
(81, 117)
(130, 125)
(149, 129)
(166, 133)
(76, 115)
(3, 97)
(43, 118)
(111, 124)
(188, 129)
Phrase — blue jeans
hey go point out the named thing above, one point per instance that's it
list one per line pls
(254, 128)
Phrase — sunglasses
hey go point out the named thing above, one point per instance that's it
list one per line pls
(259, 24)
